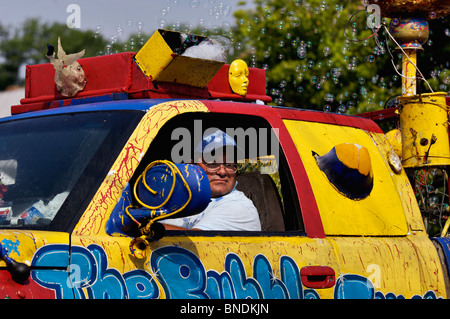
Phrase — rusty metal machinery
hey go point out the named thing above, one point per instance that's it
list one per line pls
(425, 147)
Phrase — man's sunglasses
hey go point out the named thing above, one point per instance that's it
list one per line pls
(215, 167)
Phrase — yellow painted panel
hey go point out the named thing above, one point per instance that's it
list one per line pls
(180, 70)
(181, 265)
(404, 265)
(268, 267)
(22, 244)
(154, 56)
(404, 189)
(157, 61)
(379, 214)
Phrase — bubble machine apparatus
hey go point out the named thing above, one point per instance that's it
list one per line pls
(425, 147)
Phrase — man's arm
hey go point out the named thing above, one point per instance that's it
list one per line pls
(172, 227)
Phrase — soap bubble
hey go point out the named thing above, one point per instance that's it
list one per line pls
(301, 52)
(194, 3)
(108, 48)
(336, 72)
(279, 101)
(341, 108)
(140, 25)
(446, 79)
(132, 43)
(267, 13)
(329, 97)
(164, 12)
(98, 31)
(327, 108)
(227, 10)
(162, 23)
(370, 58)
(294, 21)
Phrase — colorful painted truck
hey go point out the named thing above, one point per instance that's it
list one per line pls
(338, 214)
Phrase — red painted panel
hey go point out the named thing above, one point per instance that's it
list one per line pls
(29, 290)
(330, 118)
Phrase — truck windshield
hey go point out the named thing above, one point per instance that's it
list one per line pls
(43, 160)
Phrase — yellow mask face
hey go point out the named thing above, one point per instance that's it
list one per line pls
(238, 77)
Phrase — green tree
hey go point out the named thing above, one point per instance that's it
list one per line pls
(320, 54)
(28, 44)
(434, 61)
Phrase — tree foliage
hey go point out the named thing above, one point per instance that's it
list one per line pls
(320, 54)
(28, 44)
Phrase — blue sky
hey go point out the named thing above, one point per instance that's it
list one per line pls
(121, 17)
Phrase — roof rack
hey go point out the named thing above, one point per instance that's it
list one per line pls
(156, 71)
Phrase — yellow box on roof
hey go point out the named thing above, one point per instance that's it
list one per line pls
(161, 59)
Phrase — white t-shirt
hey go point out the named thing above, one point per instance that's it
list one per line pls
(233, 211)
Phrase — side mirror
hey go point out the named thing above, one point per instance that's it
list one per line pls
(20, 272)
(163, 190)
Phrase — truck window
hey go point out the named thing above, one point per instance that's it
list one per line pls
(263, 176)
(50, 165)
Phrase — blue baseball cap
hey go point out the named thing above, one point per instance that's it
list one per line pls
(212, 146)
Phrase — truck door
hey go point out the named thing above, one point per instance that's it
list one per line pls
(280, 261)
(375, 228)
(50, 167)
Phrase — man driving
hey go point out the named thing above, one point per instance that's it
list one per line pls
(229, 208)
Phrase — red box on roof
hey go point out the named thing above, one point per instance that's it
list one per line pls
(104, 74)
(118, 73)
